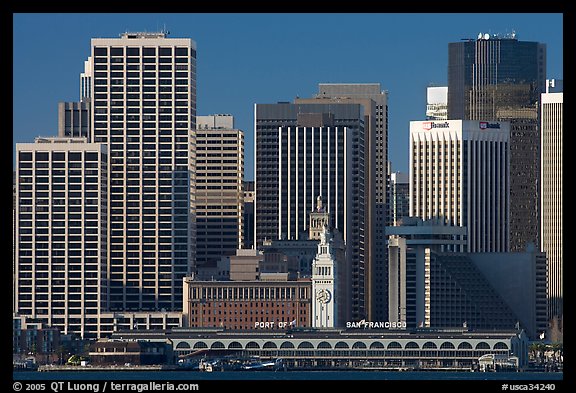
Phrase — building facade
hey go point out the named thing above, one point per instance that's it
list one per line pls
(86, 88)
(306, 150)
(459, 172)
(61, 226)
(500, 79)
(375, 103)
(434, 287)
(249, 228)
(144, 111)
(219, 188)
(74, 119)
(459, 349)
(399, 199)
(551, 195)
(437, 103)
(247, 305)
(407, 244)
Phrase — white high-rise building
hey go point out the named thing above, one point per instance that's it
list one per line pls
(86, 81)
(144, 110)
(551, 193)
(459, 172)
(61, 225)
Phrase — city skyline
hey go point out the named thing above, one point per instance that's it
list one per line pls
(238, 66)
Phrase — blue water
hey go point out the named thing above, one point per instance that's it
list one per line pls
(288, 375)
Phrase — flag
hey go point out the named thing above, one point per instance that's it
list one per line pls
(542, 335)
(293, 323)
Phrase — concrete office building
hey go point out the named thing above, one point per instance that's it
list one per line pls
(219, 188)
(249, 198)
(375, 103)
(399, 199)
(306, 150)
(407, 244)
(499, 78)
(244, 265)
(437, 103)
(459, 172)
(434, 287)
(61, 227)
(144, 110)
(551, 193)
(519, 278)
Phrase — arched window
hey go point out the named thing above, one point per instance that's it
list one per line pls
(305, 345)
(412, 345)
(324, 345)
(200, 345)
(252, 345)
(429, 345)
(234, 345)
(394, 345)
(482, 345)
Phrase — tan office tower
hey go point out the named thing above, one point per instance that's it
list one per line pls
(219, 188)
(375, 103)
(551, 194)
(144, 110)
(459, 173)
(61, 224)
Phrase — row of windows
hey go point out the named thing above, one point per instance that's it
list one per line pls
(146, 51)
(24, 156)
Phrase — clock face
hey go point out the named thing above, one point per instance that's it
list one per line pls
(323, 296)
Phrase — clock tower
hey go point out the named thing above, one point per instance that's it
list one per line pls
(324, 297)
(319, 219)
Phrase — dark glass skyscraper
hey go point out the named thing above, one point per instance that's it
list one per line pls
(495, 78)
(308, 150)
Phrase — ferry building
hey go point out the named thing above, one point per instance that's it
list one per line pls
(455, 349)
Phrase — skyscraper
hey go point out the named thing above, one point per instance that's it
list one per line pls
(61, 226)
(551, 195)
(144, 110)
(375, 103)
(308, 150)
(86, 81)
(219, 188)
(500, 79)
(459, 173)
(399, 199)
(249, 198)
(74, 119)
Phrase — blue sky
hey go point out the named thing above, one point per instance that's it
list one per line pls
(245, 59)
